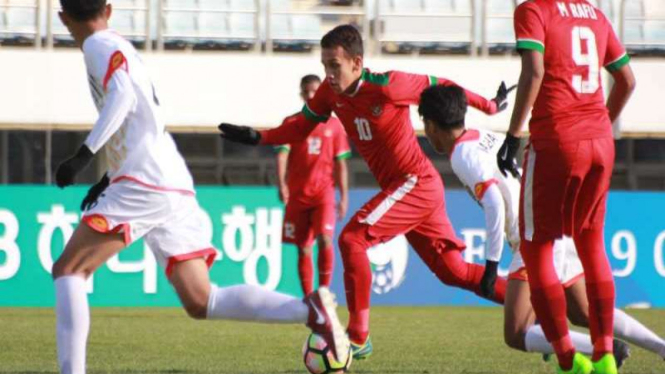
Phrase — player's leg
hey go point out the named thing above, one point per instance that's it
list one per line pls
(323, 222)
(544, 187)
(437, 245)
(298, 230)
(86, 250)
(201, 300)
(588, 212)
(625, 326)
(389, 213)
(518, 317)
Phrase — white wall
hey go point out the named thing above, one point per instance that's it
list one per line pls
(199, 90)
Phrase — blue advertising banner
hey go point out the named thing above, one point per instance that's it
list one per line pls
(35, 222)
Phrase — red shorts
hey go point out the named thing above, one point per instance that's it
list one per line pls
(303, 224)
(564, 187)
(414, 206)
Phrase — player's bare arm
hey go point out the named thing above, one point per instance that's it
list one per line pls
(342, 181)
(282, 165)
(624, 85)
(528, 87)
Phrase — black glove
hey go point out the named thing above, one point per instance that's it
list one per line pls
(239, 134)
(94, 192)
(501, 98)
(489, 279)
(506, 156)
(67, 171)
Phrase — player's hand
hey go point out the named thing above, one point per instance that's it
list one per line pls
(342, 208)
(506, 156)
(489, 279)
(239, 134)
(284, 194)
(65, 175)
(94, 192)
(501, 98)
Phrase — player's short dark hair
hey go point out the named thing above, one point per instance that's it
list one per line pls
(345, 36)
(443, 105)
(309, 78)
(83, 10)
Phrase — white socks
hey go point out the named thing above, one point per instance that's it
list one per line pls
(72, 323)
(625, 328)
(629, 329)
(253, 303)
(535, 341)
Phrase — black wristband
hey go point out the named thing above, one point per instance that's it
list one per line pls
(491, 265)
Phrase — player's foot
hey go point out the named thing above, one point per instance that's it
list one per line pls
(362, 351)
(322, 320)
(581, 365)
(606, 365)
(621, 352)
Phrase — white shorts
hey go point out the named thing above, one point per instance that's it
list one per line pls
(566, 262)
(172, 223)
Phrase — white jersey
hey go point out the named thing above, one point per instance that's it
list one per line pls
(130, 125)
(473, 160)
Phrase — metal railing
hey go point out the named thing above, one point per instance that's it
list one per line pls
(357, 11)
(152, 28)
(643, 19)
(383, 17)
(164, 11)
(7, 5)
(53, 7)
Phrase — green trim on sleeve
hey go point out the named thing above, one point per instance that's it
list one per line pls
(618, 63)
(530, 44)
(375, 78)
(310, 115)
(433, 81)
(343, 155)
(282, 149)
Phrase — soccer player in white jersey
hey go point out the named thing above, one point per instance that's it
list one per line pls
(148, 193)
(473, 158)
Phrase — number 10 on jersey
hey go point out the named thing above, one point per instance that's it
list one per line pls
(364, 131)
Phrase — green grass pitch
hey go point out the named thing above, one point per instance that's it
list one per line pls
(164, 341)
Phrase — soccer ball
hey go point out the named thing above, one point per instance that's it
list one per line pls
(320, 359)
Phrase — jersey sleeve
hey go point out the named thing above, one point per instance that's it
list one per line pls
(529, 27)
(318, 108)
(341, 142)
(284, 148)
(478, 176)
(472, 172)
(615, 54)
(405, 88)
(120, 101)
(294, 129)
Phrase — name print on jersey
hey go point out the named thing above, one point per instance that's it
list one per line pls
(584, 11)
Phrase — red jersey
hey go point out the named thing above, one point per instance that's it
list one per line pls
(576, 40)
(311, 162)
(376, 117)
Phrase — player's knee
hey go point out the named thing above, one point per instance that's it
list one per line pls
(305, 251)
(63, 268)
(196, 309)
(325, 241)
(349, 242)
(579, 320)
(514, 340)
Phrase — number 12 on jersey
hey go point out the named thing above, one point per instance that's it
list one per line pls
(364, 131)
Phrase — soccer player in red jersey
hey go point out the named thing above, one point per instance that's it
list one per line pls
(569, 161)
(305, 176)
(374, 109)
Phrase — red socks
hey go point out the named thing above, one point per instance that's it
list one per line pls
(600, 290)
(305, 271)
(548, 298)
(326, 263)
